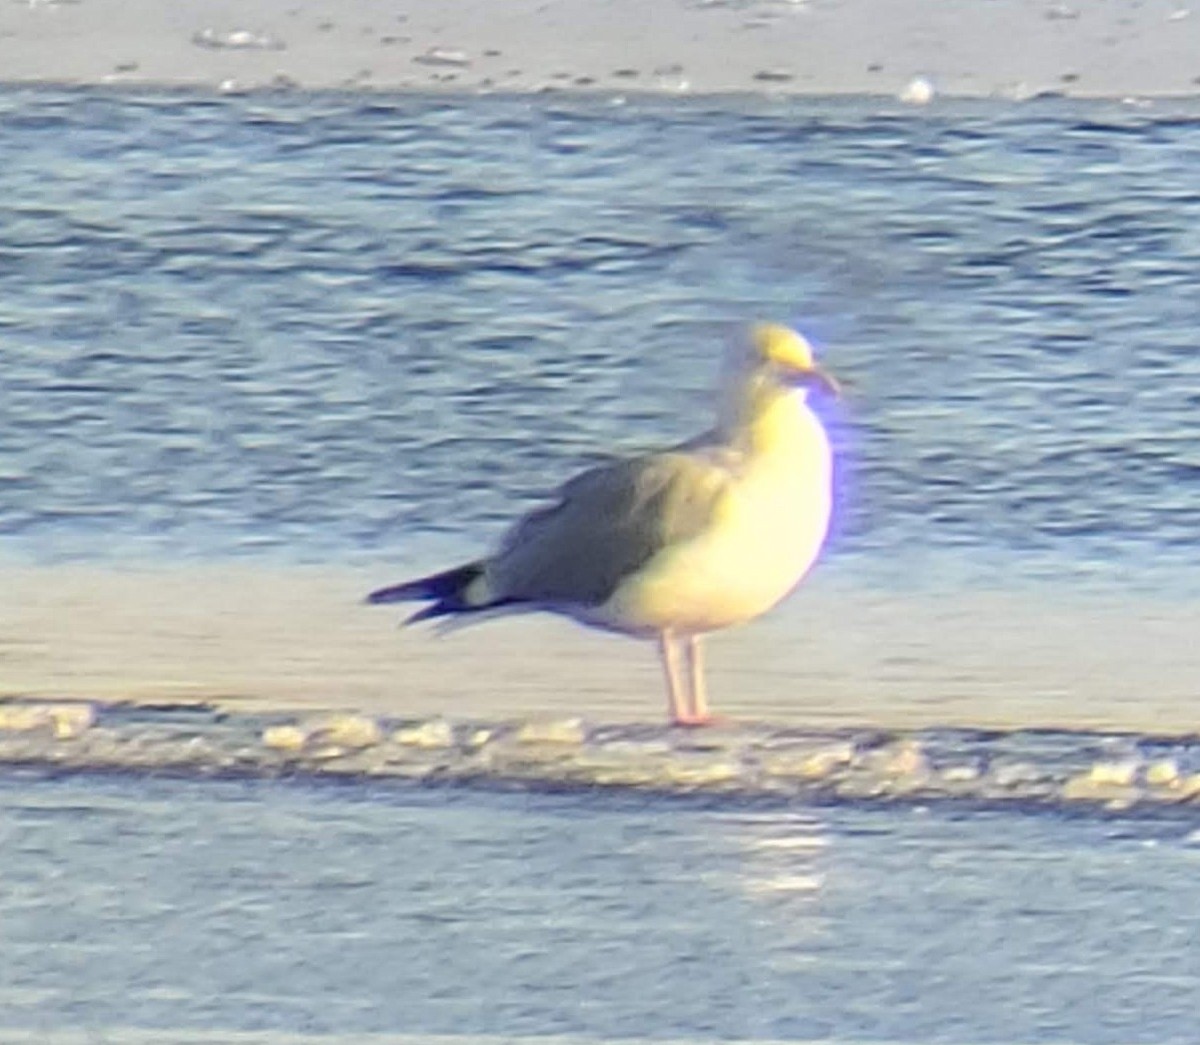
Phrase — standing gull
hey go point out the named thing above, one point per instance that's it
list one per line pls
(671, 545)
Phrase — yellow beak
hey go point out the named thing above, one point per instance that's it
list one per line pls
(818, 376)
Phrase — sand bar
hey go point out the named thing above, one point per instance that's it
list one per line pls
(255, 638)
(977, 48)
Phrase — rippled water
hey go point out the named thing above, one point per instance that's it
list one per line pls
(338, 911)
(323, 327)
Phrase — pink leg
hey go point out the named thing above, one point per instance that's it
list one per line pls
(668, 653)
(697, 712)
(699, 701)
(690, 708)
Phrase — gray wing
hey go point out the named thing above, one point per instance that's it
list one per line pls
(608, 522)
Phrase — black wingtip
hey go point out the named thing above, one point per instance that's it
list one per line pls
(394, 593)
(445, 590)
(432, 612)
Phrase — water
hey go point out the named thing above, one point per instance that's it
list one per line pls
(175, 907)
(322, 328)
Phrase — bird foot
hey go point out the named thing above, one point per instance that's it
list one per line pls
(690, 721)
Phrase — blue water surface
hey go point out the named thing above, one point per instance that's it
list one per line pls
(173, 907)
(337, 327)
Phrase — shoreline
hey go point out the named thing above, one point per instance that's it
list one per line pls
(615, 97)
(1010, 49)
(1028, 769)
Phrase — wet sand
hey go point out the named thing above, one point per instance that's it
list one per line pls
(256, 638)
(1007, 48)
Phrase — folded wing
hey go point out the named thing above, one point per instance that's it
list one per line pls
(607, 524)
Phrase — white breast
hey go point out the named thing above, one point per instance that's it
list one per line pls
(766, 537)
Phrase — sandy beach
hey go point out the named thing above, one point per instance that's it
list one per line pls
(256, 638)
(976, 48)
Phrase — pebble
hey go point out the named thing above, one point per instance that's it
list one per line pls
(901, 758)
(347, 731)
(1015, 774)
(284, 738)
(1163, 773)
(21, 718)
(65, 721)
(811, 764)
(960, 774)
(918, 91)
(772, 76)
(553, 731)
(436, 733)
(607, 770)
(479, 738)
(1109, 782)
(1119, 774)
(441, 56)
(332, 734)
(699, 773)
(72, 720)
(237, 40)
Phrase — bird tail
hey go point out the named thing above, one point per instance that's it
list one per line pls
(448, 593)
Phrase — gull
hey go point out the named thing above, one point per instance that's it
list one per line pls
(672, 545)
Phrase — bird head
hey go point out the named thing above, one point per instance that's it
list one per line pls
(788, 357)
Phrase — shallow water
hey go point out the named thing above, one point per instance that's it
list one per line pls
(333, 327)
(168, 906)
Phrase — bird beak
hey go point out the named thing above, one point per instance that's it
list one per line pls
(818, 377)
